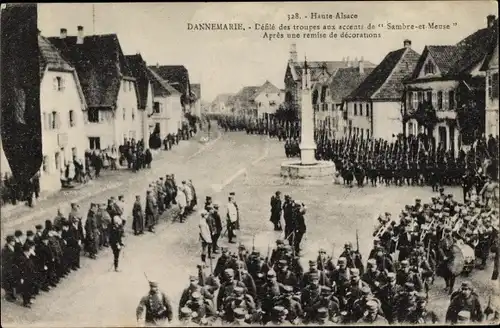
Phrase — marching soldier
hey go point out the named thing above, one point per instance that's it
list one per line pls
(353, 257)
(293, 306)
(232, 218)
(373, 277)
(446, 258)
(151, 211)
(419, 314)
(464, 300)
(137, 217)
(388, 296)
(9, 269)
(238, 299)
(115, 239)
(193, 287)
(27, 272)
(92, 231)
(203, 308)
(404, 275)
(205, 237)
(372, 315)
(155, 307)
(227, 288)
(276, 208)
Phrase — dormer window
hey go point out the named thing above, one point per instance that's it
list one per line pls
(429, 68)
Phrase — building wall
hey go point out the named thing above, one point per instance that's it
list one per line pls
(175, 114)
(62, 137)
(492, 116)
(387, 119)
(104, 129)
(268, 103)
(359, 116)
(127, 120)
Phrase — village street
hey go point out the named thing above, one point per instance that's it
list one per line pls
(97, 296)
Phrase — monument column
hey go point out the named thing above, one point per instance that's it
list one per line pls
(307, 143)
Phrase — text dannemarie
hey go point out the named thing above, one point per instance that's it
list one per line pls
(215, 27)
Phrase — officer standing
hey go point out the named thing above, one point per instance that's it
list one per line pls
(276, 208)
(419, 313)
(206, 233)
(137, 217)
(27, 272)
(232, 218)
(464, 300)
(155, 307)
(115, 239)
(9, 274)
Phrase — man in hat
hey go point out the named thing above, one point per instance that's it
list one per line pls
(465, 300)
(353, 257)
(151, 211)
(155, 307)
(276, 208)
(233, 199)
(208, 203)
(185, 316)
(103, 221)
(38, 234)
(92, 232)
(295, 312)
(405, 275)
(445, 252)
(71, 250)
(238, 299)
(388, 296)
(194, 286)
(278, 316)
(299, 225)
(355, 289)
(44, 263)
(373, 277)
(203, 308)
(232, 217)
(227, 288)
(359, 306)
(240, 317)
(205, 236)
(288, 206)
(372, 315)
(115, 239)
(9, 268)
(75, 217)
(419, 314)
(284, 276)
(137, 217)
(271, 291)
(27, 272)
(313, 271)
(223, 263)
(214, 213)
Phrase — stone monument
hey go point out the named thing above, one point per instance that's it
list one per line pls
(307, 167)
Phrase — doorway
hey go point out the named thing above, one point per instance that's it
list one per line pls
(442, 137)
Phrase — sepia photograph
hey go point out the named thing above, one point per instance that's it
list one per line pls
(228, 164)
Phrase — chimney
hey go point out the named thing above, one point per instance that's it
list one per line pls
(407, 43)
(489, 20)
(64, 33)
(157, 65)
(79, 37)
(361, 66)
(348, 62)
(293, 53)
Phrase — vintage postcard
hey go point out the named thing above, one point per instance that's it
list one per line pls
(263, 164)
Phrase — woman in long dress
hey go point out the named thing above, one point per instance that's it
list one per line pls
(182, 202)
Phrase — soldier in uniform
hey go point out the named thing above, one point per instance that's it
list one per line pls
(115, 239)
(193, 287)
(151, 211)
(288, 218)
(404, 275)
(203, 308)
(238, 299)
(388, 296)
(218, 228)
(372, 315)
(353, 257)
(137, 217)
(27, 272)
(465, 300)
(293, 306)
(446, 257)
(286, 277)
(278, 316)
(419, 313)
(156, 305)
(276, 207)
(205, 236)
(373, 277)
(226, 290)
(240, 317)
(92, 231)
(231, 219)
(222, 263)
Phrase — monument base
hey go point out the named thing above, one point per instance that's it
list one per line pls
(319, 170)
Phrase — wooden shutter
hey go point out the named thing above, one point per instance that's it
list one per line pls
(494, 85)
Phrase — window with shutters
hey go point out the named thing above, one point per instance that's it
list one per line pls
(156, 107)
(367, 110)
(355, 109)
(57, 160)
(58, 83)
(428, 96)
(429, 68)
(440, 100)
(124, 114)
(124, 86)
(360, 109)
(93, 115)
(44, 121)
(420, 97)
(72, 121)
(493, 85)
(133, 114)
(45, 164)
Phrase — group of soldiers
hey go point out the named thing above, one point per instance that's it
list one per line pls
(39, 260)
(247, 287)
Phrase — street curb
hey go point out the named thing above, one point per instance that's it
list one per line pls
(6, 224)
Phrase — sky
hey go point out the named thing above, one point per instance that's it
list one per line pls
(225, 61)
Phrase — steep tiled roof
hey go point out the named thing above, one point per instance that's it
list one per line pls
(474, 48)
(176, 75)
(247, 95)
(444, 57)
(222, 98)
(345, 81)
(268, 87)
(385, 81)
(100, 65)
(161, 88)
(139, 71)
(50, 57)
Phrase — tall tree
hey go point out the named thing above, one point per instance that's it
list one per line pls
(20, 92)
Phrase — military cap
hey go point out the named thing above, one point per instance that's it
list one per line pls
(312, 263)
(241, 246)
(391, 276)
(137, 196)
(441, 189)
(38, 227)
(186, 312)
(421, 297)
(366, 290)
(283, 262)
(372, 305)
(323, 313)
(288, 289)
(279, 242)
(410, 286)
(372, 262)
(74, 204)
(224, 249)
(216, 205)
(450, 196)
(9, 239)
(232, 193)
(466, 284)
(271, 273)
(387, 214)
(342, 260)
(447, 229)
(321, 250)
(196, 295)
(153, 284)
(65, 224)
(45, 236)
(208, 198)
(326, 289)
(355, 272)
(405, 263)
(348, 244)
(239, 313)
(27, 246)
(30, 233)
(463, 315)
(183, 181)
(446, 210)
(229, 272)
(193, 278)
(255, 253)
(418, 200)
(18, 233)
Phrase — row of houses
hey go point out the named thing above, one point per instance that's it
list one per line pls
(447, 91)
(250, 101)
(93, 96)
